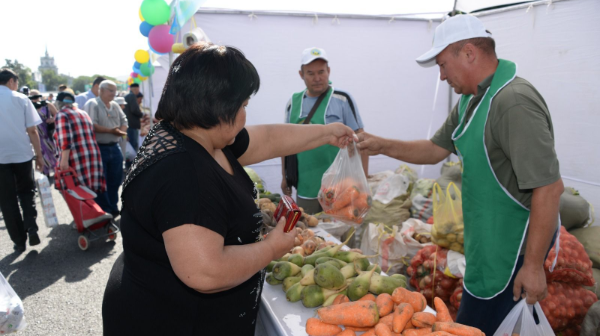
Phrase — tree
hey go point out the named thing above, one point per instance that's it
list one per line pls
(24, 73)
(52, 80)
(80, 82)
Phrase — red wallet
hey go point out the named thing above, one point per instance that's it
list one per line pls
(287, 208)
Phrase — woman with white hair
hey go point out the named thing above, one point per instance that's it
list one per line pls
(76, 139)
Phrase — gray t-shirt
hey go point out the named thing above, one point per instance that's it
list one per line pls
(111, 118)
(519, 138)
(342, 108)
(16, 115)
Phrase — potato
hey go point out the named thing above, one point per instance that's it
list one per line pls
(455, 247)
(301, 225)
(451, 237)
(262, 201)
(313, 221)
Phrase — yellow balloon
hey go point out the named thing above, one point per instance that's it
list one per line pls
(140, 14)
(142, 78)
(142, 56)
(178, 48)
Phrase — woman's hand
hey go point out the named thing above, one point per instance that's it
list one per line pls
(280, 242)
(340, 135)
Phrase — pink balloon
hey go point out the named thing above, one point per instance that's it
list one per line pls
(133, 75)
(160, 39)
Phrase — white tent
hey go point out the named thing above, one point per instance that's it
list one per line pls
(372, 51)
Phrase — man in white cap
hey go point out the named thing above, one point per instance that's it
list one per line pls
(502, 132)
(328, 105)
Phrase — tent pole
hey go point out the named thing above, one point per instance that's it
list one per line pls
(454, 8)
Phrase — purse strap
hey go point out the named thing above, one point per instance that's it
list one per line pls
(316, 106)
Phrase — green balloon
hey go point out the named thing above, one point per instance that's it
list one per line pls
(147, 69)
(155, 12)
(137, 80)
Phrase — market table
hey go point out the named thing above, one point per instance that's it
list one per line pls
(278, 317)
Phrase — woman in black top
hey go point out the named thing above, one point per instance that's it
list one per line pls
(193, 260)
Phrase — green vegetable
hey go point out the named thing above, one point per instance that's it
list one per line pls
(329, 276)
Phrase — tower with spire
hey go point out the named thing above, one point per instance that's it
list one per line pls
(47, 63)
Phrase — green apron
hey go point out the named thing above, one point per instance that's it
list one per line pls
(313, 163)
(495, 222)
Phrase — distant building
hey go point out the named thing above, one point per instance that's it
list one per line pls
(47, 63)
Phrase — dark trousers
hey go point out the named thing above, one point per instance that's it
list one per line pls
(112, 164)
(487, 315)
(17, 185)
(133, 135)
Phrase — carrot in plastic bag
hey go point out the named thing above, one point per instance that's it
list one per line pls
(363, 202)
(346, 198)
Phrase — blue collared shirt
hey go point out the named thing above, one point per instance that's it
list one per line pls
(82, 98)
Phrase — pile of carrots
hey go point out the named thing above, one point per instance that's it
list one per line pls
(345, 200)
(401, 313)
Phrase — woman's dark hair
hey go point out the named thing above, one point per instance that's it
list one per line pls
(207, 85)
(6, 75)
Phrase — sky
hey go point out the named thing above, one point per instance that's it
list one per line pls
(88, 37)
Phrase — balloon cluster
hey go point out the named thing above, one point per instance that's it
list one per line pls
(155, 15)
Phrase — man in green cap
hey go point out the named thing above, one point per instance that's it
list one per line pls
(502, 132)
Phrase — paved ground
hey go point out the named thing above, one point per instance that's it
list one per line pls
(60, 285)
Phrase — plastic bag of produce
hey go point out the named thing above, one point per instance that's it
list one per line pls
(448, 225)
(11, 309)
(388, 244)
(524, 313)
(573, 264)
(589, 237)
(407, 172)
(450, 172)
(574, 209)
(391, 202)
(416, 235)
(422, 202)
(566, 305)
(375, 180)
(591, 322)
(344, 193)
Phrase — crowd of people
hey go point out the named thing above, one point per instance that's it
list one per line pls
(86, 133)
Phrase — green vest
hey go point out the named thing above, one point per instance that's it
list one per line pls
(495, 223)
(313, 163)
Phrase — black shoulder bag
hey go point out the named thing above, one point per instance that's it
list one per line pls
(291, 161)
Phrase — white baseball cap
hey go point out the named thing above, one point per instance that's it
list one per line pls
(457, 28)
(311, 54)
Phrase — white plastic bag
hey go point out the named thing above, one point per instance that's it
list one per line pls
(344, 192)
(524, 312)
(12, 317)
(46, 198)
(409, 228)
(389, 246)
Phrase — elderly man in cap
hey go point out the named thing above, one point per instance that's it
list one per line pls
(18, 134)
(110, 125)
(502, 132)
(318, 103)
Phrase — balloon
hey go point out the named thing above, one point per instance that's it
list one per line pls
(160, 39)
(147, 69)
(142, 56)
(137, 65)
(140, 14)
(154, 51)
(133, 75)
(130, 81)
(178, 48)
(155, 12)
(137, 80)
(136, 70)
(142, 78)
(145, 28)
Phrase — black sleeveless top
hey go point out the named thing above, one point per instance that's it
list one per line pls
(174, 181)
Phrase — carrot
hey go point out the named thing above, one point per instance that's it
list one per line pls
(370, 332)
(353, 314)
(382, 330)
(340, 299)
(348, 212)
(438, 333)
(346, 198)
(362, 202)
(416, 332)
(358, 328)
(416, 299)
(347, 332)
(409, 325)
(369, 297)
(443, 314)
(387, 320)
(423, 320)
(402, 315)
(457, 329)
(316, 327)
(398, 295)
(385, 305)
